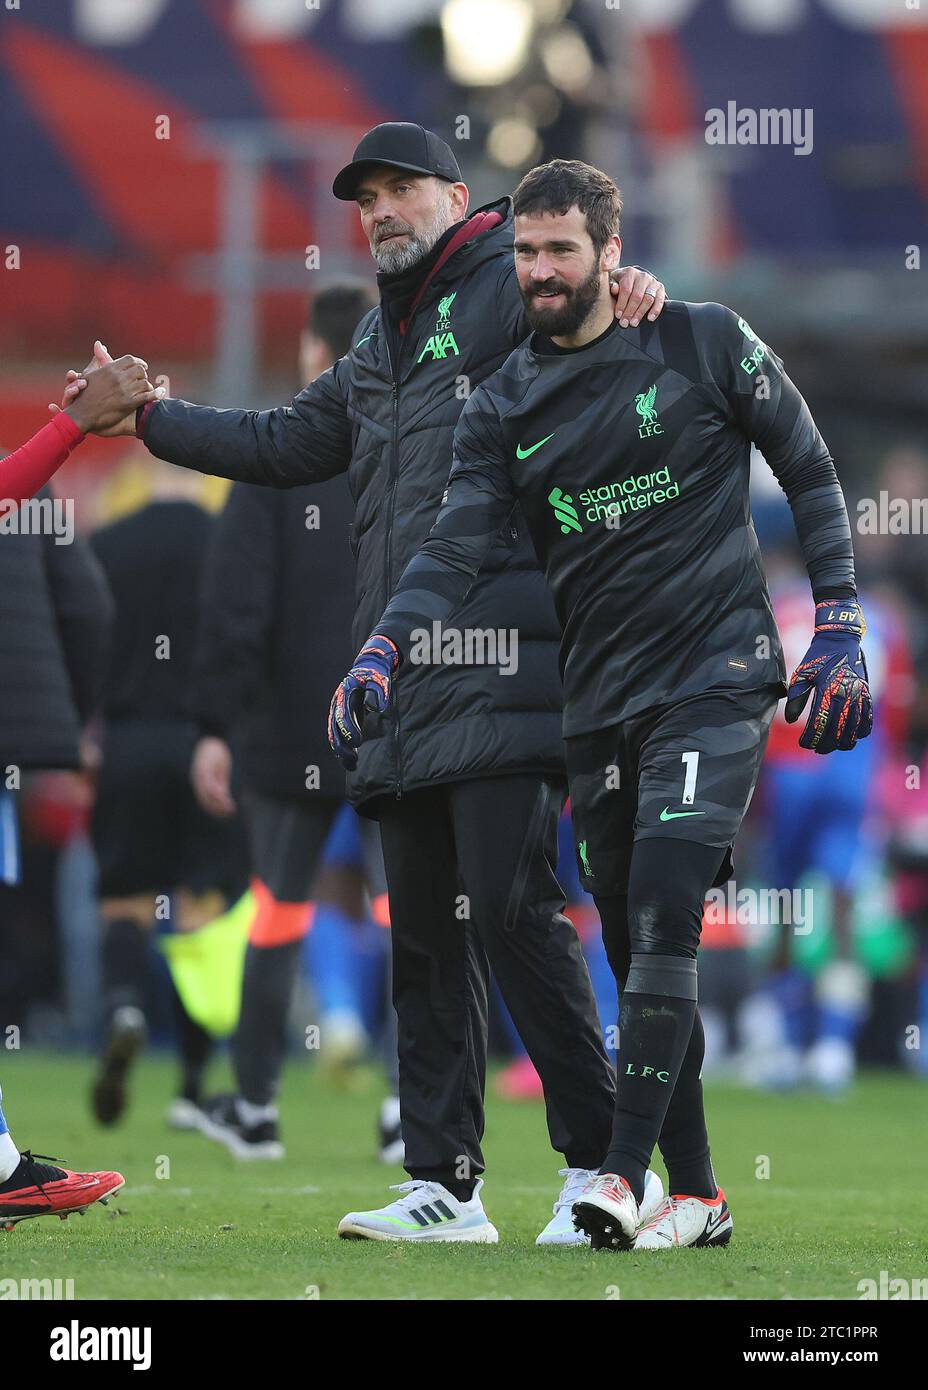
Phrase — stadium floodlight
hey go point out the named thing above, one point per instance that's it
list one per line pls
(549, 12)
(513, 143)
(567, 59)
(486, 41)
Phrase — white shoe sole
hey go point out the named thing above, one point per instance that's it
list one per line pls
(607, 1226)
(569, 1238)
(650, 1204)
(476, 1235)
(716, 1241)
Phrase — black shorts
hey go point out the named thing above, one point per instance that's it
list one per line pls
(683, 772)
(150, 834)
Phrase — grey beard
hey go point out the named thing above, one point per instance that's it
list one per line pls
(393, 259)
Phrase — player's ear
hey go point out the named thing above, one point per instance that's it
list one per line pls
(612, 254)
(459, 198)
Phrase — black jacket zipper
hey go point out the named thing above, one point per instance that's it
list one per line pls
(395, 469)
(394, 478)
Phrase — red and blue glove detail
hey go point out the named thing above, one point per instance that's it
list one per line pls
(834, 672)
(367, 686)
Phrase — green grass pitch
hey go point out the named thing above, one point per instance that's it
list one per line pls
(843, 1198)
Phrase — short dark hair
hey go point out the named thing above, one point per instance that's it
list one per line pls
(335, 312)
(562, 184)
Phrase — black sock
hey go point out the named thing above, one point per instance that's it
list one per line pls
(125, 965)
(684, 1142)
(655, 1023)
(260, 1044)
(463, 1191)
(460, 1188)
(196, 1047)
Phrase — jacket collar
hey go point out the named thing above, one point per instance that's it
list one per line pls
(482, 221)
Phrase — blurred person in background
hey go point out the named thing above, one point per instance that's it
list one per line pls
(274, 634)
(162, 860)
(466, 773)
(55, 616)
(824, 829)
(898, 555)
(906, 801)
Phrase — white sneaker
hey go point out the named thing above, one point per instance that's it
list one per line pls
(561, 1230)
(608, 1213)
(220, 1119)
(425, 1211)
(183, 1114)
(688, 1221)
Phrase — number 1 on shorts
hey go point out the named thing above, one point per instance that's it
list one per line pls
(691, 762)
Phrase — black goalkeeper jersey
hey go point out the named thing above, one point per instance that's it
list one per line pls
(629, 461)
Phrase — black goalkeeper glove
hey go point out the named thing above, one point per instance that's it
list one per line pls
(834, 672)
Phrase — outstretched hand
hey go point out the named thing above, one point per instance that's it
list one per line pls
(76, 382)
(105, 397)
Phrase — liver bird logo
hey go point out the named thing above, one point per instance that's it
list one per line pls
(644, 404)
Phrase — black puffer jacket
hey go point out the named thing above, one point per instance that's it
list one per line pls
(274, 636)
(390, 424)
(56, 613)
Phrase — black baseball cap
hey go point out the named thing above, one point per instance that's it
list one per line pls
(401, 145)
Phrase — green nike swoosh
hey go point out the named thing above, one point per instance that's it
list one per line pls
(667, 814)
(524, 453)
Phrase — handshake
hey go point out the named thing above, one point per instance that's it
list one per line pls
(103, 398)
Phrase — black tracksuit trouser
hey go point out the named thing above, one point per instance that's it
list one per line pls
(470, 870)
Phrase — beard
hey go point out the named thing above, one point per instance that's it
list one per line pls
(394, 257)
(579, 302)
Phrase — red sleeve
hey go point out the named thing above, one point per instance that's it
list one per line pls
(141, 419)
(29, 468)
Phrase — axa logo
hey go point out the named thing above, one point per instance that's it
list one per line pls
(644, 404)
(438, 347)
(565, 511)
